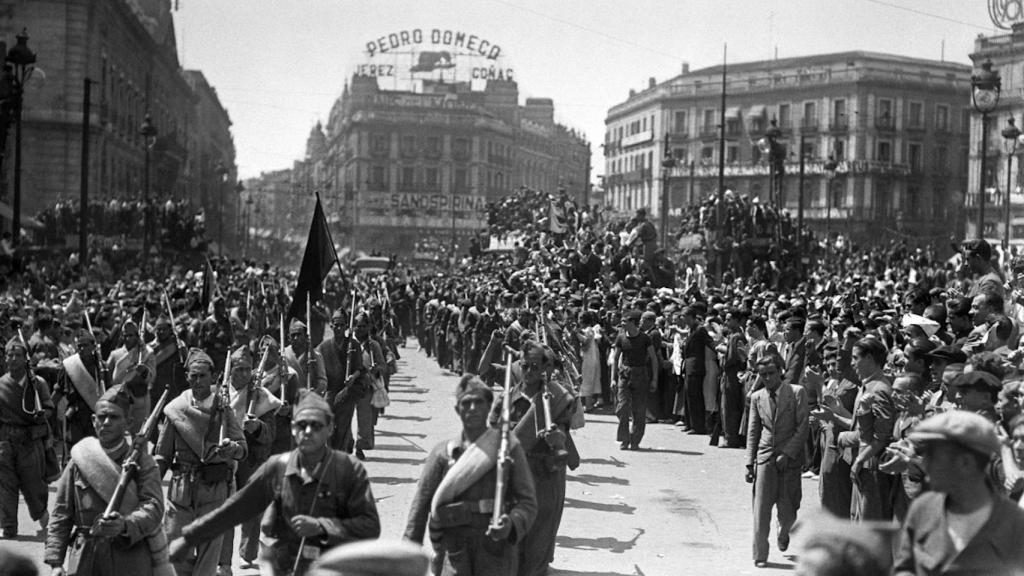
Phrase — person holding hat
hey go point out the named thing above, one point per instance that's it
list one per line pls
(82, 380)
(456, 494)
(200, 441)
(300, 357)
(312, 477)
(962, 525)
(131, 539)
(25, 408)
(133, 365)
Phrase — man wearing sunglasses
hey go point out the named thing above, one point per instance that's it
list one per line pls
(314, 498)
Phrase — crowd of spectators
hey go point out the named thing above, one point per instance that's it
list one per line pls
(173, 223)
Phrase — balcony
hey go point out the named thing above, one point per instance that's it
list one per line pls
(638, 175)
(885, 122)
(809, 125)
(839, 125)
(709, 131)
(915, 127)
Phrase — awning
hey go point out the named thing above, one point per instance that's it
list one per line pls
(732, 112)
(756, 111)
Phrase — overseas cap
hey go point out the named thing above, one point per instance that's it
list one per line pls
(312, 402)
(118, 396)
(197, 357)
(297, 328)
(373, 558)
(241, 357)
(970, 430)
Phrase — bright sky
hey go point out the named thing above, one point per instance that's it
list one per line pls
(279, 65)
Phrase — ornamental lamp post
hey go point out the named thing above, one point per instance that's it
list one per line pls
(666, 168)
(148, 132)
(769, 144)
(22, 60)
(985, 90)
(1011, 133)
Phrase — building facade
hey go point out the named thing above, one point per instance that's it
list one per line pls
(126, 52)
(896, 127)
(411, 172)
(1004, 53)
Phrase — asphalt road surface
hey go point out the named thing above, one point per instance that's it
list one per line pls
(675, 507)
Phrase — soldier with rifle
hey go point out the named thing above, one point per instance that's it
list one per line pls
(346, 381)
(256, 409)
(282, 381)
(134, 365)
(82, 380)
(108, 515)
(169, 355)
(306, 362)
(314, 499)
(476, 491)
(25, 407)
(199, 443)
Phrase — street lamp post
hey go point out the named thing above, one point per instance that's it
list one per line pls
(23, 60)
(769, 145)
(148, 132)
(830, 169)
(985, 90)
(221, 172)
(1011, 133)
(666, 168)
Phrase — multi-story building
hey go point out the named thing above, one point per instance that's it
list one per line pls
(127, 53)
(1004, 54)
(897, 128)
(393, 164)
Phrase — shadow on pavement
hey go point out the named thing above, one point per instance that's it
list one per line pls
(613, 545)
(592, 479)
(555, 572)
(407, 401)
(604, 461)
(400, 434)
(410, 418)
(397, 448)
(668, 451)
(405, 390)
(620, 508)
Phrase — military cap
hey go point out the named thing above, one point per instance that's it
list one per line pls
(197, 357)
(163, 321)
(471, 384)
(16, 343)
(296, 327)
(339, 315)
(84, 335)
(270, 342)
(241, 357)
(951, 354)
(373, 558)
(118, 396)
(978, 247)
(970, 430)
(648, 315)
(310, 401)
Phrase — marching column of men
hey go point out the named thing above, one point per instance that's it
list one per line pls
(256, 448)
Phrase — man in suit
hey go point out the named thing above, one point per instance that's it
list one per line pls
(961, 526)
(775, 442)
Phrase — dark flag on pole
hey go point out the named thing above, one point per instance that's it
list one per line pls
(316, 263)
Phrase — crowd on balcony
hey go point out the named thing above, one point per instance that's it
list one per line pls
(176, 223)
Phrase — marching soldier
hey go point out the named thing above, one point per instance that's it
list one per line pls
(25, 406)
(342, 358)
(256, 409)
(81, 382)
(373, 361)
(545, 439)
(132, 539)
(315, 498)
(456, 492)
(133, 365)
(283, 382)
(199, 442)
(295, 356)
(168, 352)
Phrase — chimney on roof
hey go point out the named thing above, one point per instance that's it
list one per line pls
(632, 92)
(651, 82)
(686, 67)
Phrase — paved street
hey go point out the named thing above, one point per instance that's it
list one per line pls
(675, 507)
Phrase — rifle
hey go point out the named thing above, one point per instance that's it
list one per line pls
(104, 375)
(131, 463)
(174, 329)
(225, 399)
(255, 383)
(503, 460)
(310, 359)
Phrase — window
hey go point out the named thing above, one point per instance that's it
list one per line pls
(408, 145)
(707, 153)
(680, 154)
(379, 144)
(408, 177)
(433, 146)
(810, 114)
(965, 121)
(732, 154)
(884, 152)
(460, 148)
(810, 150)
(839, 113)
(431, 180)
(682, 126)
(460, 179)
(377, 177)
(942, 118)
(784, 116)
(709, 121)
(941, 158)
(915, 116)
(755, 153)
(914, 156)
(839, 150)
(884, 117)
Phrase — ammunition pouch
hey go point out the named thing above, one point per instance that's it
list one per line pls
(462, 513)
